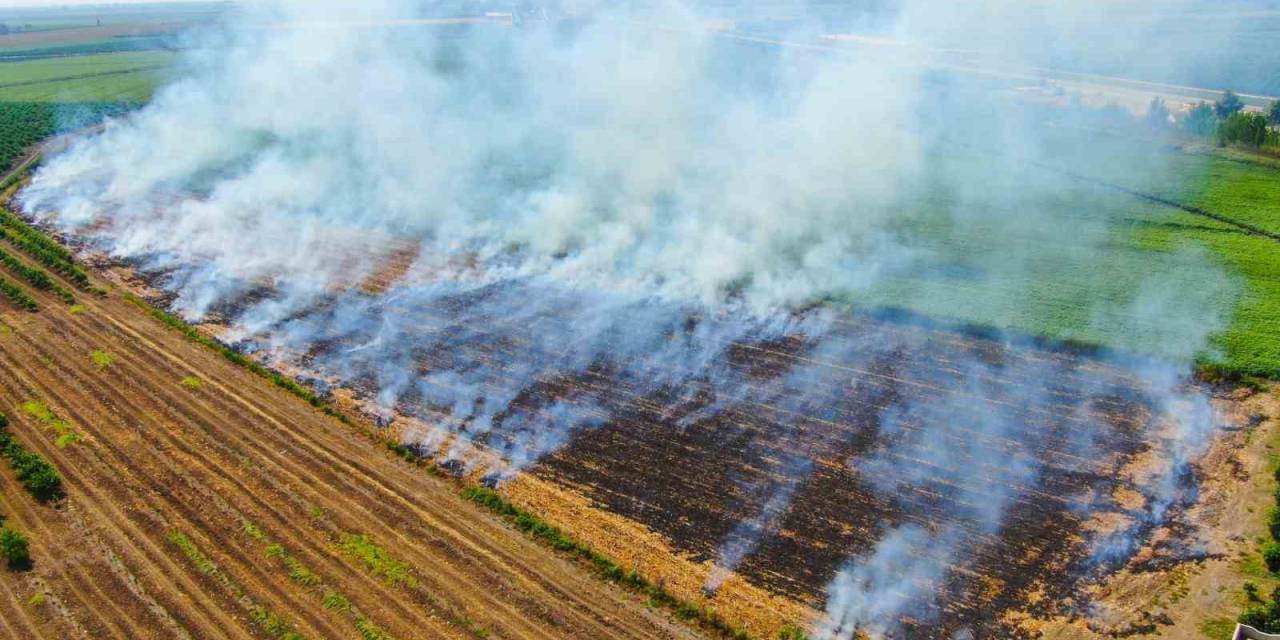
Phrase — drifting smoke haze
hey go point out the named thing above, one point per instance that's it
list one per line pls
(604, 199)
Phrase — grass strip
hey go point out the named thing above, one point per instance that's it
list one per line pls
(67, 434)
(272, 623)
(312, 582)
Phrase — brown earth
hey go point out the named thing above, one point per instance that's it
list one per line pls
(158, 457)
(614, 487)
(1186, 599)
(77, 35)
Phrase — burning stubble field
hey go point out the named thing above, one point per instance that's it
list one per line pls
(951, 395)
(805, 445)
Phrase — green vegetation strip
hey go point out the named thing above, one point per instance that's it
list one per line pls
(44, 249)
(82, 76)
(377, 560)
(35, 473)
(380, 563)
(24, 124)
(17, 296)
(305, 577)
(270, 622)
(35, 277)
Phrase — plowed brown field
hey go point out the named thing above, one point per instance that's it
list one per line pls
(158, 458)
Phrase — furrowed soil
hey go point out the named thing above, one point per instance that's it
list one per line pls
(168, 479)
(659, 493)
(650, 487)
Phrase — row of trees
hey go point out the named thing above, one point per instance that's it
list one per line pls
(1263, 613)
(23, 124)
(33, 471)
(1225, 120)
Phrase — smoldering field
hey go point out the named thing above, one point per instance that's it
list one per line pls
(657, 265)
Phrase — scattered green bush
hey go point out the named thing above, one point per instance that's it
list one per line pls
(300, 574)
(1264, 617)
(1245, 128)
(370, 631)
(67, 435)
(376, 559)
(336, 601)
(1271, 555)
(792, 632)
(102, 358)
(14, 548)
(274, 625)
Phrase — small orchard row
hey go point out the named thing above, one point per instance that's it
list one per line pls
(14, 548)
(1264, 615)
(23, 124)
(34, 472)
(35, 277)
(18, 296)
(44, 249)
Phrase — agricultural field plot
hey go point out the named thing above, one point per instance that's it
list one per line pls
(562, 379)
(825, 420)
(129, 77)
(808, 423)
(1248, 190)
(203, 502)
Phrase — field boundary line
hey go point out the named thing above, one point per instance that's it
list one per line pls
(1246, 227)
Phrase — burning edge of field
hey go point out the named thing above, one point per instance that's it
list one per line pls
(633, 554)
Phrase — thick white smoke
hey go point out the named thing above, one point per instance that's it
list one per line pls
(615, 159)
(619, 202)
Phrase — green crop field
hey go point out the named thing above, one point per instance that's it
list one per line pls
(39, 98)
(1249, 192)
(1098, 289)
(130, 77)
